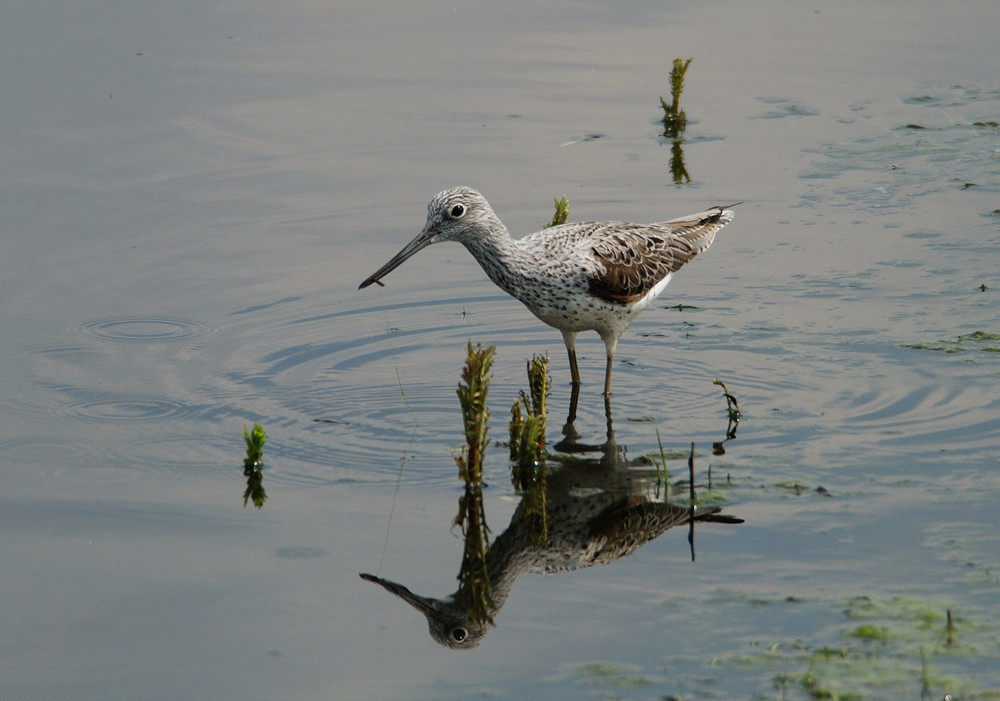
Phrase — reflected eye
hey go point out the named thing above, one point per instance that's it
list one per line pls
(457, 211)
(459, 634)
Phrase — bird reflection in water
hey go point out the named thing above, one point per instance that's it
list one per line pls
(596, 510)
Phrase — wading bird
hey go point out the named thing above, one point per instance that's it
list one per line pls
(575, 277)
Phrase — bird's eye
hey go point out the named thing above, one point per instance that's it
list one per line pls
(457, 211)
(459, 634)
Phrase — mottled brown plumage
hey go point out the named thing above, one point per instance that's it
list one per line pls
(637, 257)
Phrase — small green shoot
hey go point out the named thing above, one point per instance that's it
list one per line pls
(255, 440)
(562, 212)
(675, 122)
(527, 423)
(473, 390)
(527, 436)
(539, 385)
(674, 118)
(527, 448)
(253, 465)
(472, 393)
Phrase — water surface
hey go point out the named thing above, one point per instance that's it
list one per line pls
(192, 193)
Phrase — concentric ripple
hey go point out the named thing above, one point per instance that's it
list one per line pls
(371, 435)
(175, 454)
(44, 451)
(128, 409)
(144, 329)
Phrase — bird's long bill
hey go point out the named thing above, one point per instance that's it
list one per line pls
(422, 240)
(422, 604)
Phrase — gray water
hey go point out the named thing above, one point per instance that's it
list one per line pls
(191, 193)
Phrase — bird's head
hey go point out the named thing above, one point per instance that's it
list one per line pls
(447, 619)
(459, 214)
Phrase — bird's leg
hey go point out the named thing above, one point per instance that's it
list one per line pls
(574, 371)
(607, 376)
(569, 338)
(569, 430)
(610, 343)
(574, 400)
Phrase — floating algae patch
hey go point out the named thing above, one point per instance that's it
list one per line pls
(983, 341)
(894, 647)
(610, 675)
(792, 486)
(869, 632)
(955, 96)
(907, 152)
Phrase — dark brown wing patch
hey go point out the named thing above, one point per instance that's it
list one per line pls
(636, 257)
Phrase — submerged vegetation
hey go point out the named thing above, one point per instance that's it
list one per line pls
(896, 637)
(901, 652)
(878, 648)
(983, 341)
